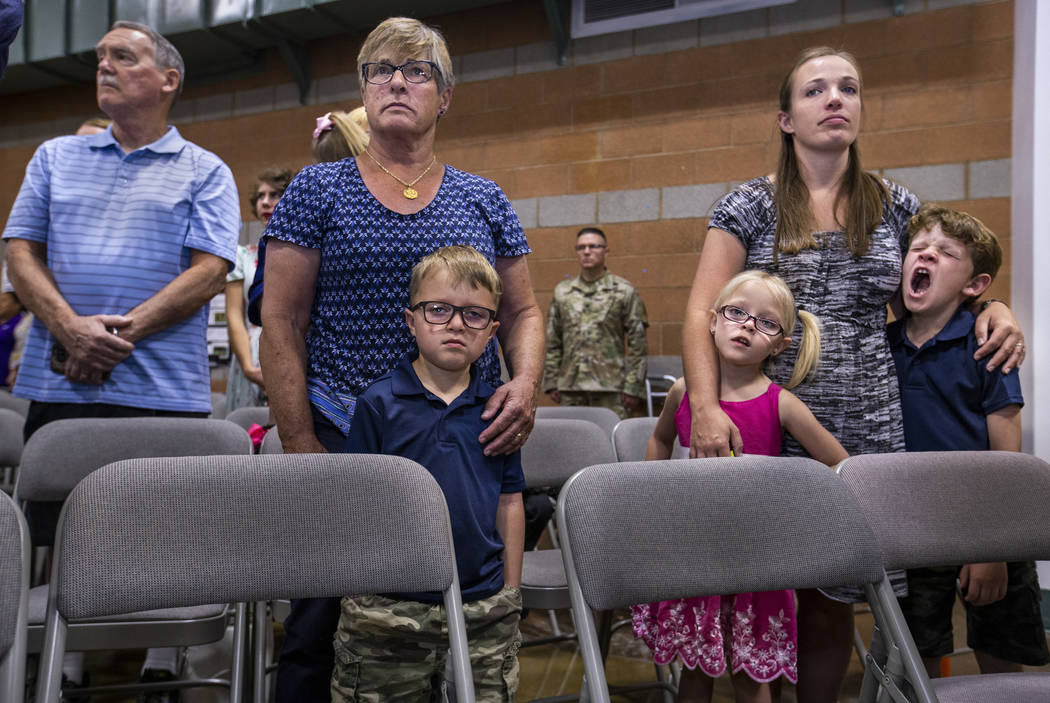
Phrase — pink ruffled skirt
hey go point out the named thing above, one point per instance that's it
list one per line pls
(752, 632)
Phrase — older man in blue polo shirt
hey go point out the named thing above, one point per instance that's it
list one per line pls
(116, 242)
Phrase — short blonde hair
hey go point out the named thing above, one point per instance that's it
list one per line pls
(347, 139)
(463, 264)
(404, 36)
(809, 346)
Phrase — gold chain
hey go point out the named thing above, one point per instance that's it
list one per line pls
(409, 192)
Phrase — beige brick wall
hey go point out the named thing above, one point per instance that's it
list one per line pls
(630, 135)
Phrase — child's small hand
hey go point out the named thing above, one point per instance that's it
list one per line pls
(983, 584)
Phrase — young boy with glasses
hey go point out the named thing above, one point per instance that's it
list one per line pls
(428, 409)
(953, 403)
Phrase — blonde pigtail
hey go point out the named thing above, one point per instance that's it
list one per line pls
(808, 349)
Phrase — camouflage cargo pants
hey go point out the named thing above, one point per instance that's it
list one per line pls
(600, 399)
(388, 650)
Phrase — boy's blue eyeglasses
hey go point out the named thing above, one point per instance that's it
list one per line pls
(437, 312)
(768, 327)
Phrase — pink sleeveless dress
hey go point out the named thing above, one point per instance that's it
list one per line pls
(751, 632)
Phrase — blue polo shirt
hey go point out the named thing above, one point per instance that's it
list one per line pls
(398, 416)
(118, 228)
(946, 396)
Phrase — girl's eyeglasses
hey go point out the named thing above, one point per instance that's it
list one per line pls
(766, 326)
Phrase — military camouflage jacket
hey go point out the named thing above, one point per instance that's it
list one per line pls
(596, 337)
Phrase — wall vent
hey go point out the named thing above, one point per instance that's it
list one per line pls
(592, 17)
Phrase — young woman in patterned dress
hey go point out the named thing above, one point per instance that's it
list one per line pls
(835, 234)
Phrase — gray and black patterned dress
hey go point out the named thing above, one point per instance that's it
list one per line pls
(854, 391)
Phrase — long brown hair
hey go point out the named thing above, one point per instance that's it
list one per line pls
(864, 194)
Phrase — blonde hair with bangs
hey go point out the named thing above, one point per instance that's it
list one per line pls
(410, 38)
(809, 346)
(463, 264)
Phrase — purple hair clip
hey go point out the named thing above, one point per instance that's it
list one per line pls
(324, 124)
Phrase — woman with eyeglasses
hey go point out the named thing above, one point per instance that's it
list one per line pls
(835, 233)
(341, 247)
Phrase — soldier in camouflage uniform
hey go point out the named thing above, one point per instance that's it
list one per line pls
(596, 344)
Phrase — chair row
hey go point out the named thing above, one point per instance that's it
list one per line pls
(144, 536)
(711, 526)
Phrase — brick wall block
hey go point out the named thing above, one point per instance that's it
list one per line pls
(629, 205)
(253, 101)
(286, 96)
(486, 65)
(663, 169)
(215, 107)
(181, 113)
(602, 48)
(937, 183)
(691, 201)
(528, 212)
(560, 210)
(536, 57)
(337, 88)
(667, 37)
(539, 181)
(804, 16)
(595, 176)
(990, 179)
(739, 26)
(663, 236)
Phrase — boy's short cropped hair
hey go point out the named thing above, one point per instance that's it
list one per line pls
(985, 252)
(464, 265)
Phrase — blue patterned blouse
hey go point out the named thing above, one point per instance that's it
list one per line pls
(357, 327)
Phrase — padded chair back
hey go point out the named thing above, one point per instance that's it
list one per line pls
(10, 402)
(61, 453)
(166, 532)
(937, 508)
(631, 438)
(246, 417)
(638, 532)
(657, 530)
(271, 443)
(14, 589)
(603, 417)
(557, 449)
(665, 366)
(11, 445)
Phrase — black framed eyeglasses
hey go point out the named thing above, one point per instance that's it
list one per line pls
(437, 312)
(382, 72)
(740, 316)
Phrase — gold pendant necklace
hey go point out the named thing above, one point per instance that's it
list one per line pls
(409, 192)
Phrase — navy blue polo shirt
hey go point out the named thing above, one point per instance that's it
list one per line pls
(946, 395)
(397, 415)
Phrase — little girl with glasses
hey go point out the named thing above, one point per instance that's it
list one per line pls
(752, 634)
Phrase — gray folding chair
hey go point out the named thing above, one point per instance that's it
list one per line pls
(11, 424)
(10, 402)
(62, 453)
(633, 533)
(556, 450)
(662, 372)
(271, 443)
(603, 417)
(246, 417)
(631, 438)
(349, 524)
(941, 508)
(14, 598)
